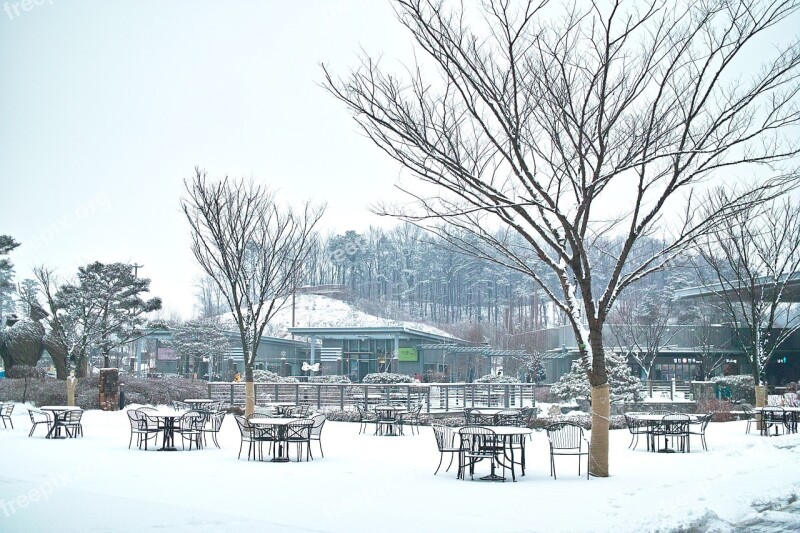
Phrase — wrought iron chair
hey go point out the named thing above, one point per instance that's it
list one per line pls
(253, 436)
(479, 443)
(673, 427)
(139, 427)
(700, 428)
(446, 442)
(39, 417)
(299, 433)
(772, 417)
(567, 438)
(5, 413)
(411, 418)
(190, 427)
(749, 415)
(71, 422)
(316, 430)
(213, 423)
(636, 427)
(365, 417)
(508, 417)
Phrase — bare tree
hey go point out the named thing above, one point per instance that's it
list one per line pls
(564, 128)
(752, 257)
(252, 249)
(209, 300)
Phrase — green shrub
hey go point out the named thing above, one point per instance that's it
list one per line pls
(742, 387)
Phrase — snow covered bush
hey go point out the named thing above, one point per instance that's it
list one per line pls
(265, 376)
(329, 379)
(742, 387)
(494, 378)
(624, 385)
(389, 378)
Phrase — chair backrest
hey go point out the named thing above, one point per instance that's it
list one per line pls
(509, 417)
(444, 436)
(299, 429)
(6, 409)
(632, 422)
(245, 428)
(145, 409)
(72, 416)
(134, 417)
(675, 423)
(318, 421)
(476, 437)
(37, 416)
(704, 420)
(773, 414)
(565, 435)
(191, 420)
(791, 399)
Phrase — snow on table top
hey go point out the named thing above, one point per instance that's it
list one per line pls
(97, 483)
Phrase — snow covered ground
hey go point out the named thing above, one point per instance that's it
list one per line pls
(372, 483)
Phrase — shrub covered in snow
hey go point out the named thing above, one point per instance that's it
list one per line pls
(389, 378)
(624, 385)
(329, 379)
(265, 376)
(141, 391)
(494, 378)
(742, 387)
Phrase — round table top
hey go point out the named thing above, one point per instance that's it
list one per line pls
(164, 412)
(273, 421)
(60, 408)
(659, 418)
(503, 430)
(198, 400)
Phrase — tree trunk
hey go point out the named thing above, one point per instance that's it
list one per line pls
(601, 404)
(761, 401)
(601, 414)
(249, 391)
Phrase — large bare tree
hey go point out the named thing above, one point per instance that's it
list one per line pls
(753, 256)
(565, 125)
(252, 248)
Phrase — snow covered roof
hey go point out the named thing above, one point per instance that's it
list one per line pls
(375, 332)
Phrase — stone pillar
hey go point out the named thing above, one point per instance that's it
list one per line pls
(109, 389)
(71, 382)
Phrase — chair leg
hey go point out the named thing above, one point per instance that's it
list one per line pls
(441, 456)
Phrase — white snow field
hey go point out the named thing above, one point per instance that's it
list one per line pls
(373, 483)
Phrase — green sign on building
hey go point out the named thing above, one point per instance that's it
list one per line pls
(407, 354)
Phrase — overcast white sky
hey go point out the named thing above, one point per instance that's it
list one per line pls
(106, 106)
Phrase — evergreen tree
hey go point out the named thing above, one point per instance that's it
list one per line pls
(7, 244)
(623, 384)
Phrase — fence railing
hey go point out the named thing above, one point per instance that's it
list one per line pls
(442, 397)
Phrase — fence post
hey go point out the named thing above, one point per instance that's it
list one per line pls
(505, 403)
(446, 398)
(408, 397)
(232, 404)
(297, 394)
(672, 390)
(428, 398)
(341, 397)
(319, 395)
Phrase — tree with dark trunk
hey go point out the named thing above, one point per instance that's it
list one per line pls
(253, 249)
(747, 263)
(103, 309)
(606, 119)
